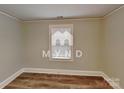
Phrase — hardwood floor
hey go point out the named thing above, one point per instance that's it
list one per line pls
(56, 81)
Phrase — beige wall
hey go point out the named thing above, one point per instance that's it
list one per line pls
(10, 46)
(86, 37)
(102, 41)
(113, 63)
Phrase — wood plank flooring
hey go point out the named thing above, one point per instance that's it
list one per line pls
(56, 81)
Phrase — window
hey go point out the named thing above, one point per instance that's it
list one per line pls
(61, 41)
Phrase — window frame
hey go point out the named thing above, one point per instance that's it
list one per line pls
(50, 41)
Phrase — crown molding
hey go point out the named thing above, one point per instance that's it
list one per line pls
(113, 11)
(9, 15)
(68, 19)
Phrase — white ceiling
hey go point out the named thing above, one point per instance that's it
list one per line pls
(49, 11)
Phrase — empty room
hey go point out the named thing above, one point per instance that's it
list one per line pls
(61, 46)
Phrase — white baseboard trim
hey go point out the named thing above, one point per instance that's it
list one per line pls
(110, 81)
(10, 79)
(60, 71)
